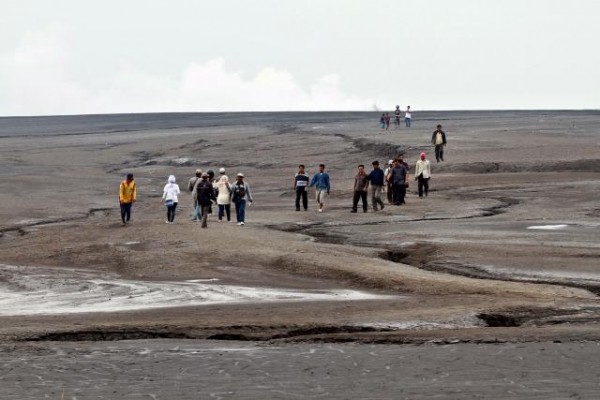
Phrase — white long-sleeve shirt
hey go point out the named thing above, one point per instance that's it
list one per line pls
(171, 191)
(423, 167)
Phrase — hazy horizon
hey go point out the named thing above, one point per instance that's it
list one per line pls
(78, 58)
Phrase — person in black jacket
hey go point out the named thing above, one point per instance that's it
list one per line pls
(438, 139)
(204, 196)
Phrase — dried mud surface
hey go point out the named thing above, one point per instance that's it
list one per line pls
(505, 250)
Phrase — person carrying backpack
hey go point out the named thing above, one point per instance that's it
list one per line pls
(241, 195)
(192, 188)
(204, 194)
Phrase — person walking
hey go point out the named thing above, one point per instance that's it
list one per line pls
(438, 139)
(197, 214)
(361, 185)
(422, 174)
(388, 183)
(170, 198)
(223, 190)
(376, 180)
(407, 117)
(204, 196)
(301, 180)
(127, 196)
(387, 121)
(242, 196)
(322, 186)
(399, 178)
(397, 113)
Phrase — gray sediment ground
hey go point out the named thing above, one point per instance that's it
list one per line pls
(500, 260)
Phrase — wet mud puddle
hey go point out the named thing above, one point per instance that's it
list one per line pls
(26, 290)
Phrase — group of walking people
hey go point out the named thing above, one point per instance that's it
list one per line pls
(394, 179)
(384, 120)
(205, 188)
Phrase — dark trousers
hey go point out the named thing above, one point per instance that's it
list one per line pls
(301, 193)
(205, 209)
(439, 152)
(423, 184)
(171, 212)
(399, 191)
(362, 195)
(224, 209)
(126, 212)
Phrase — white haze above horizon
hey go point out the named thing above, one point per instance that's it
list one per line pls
(74, 57)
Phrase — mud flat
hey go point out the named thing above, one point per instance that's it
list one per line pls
(502, 257)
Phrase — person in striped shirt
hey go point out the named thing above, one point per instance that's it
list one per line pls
(301, 180)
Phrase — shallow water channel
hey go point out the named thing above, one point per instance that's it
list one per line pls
(26, 290)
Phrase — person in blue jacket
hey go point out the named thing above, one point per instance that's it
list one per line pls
(321, 183)
(376, 178)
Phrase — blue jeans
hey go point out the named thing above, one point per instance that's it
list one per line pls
(197, 212)
(407, 122)
(240, 210)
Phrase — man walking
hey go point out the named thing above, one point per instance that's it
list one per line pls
(127, 196)
(197, 214)
(376, 179)
(398, 178)
(407, 117)
(301, 180)
(439, 140)
(422, 174)
(321, 183)
(204, 195)
(241, 196)
(361, 185)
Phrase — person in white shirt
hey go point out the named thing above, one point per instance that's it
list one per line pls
(224, 195)
(422, 174)
(170, 198)
(407, 117)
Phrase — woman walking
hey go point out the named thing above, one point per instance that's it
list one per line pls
(170, 198)
(224, 196)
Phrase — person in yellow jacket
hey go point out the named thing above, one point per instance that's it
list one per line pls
(127, 194)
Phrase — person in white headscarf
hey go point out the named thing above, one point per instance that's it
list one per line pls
(170, 198)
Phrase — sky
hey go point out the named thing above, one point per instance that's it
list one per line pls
(126, 56)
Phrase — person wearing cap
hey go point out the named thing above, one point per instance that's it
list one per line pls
(388, 185)
(170, 198)
(241, 195)
(322, 185)
(223, 194)
(301, 180)
(204, 194)
(376, 179)
(422, 174)
(197, 214)
(127, 196)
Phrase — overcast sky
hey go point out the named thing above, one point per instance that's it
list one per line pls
(74, 57)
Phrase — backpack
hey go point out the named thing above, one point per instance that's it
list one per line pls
(204, 191)
(240, 191)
